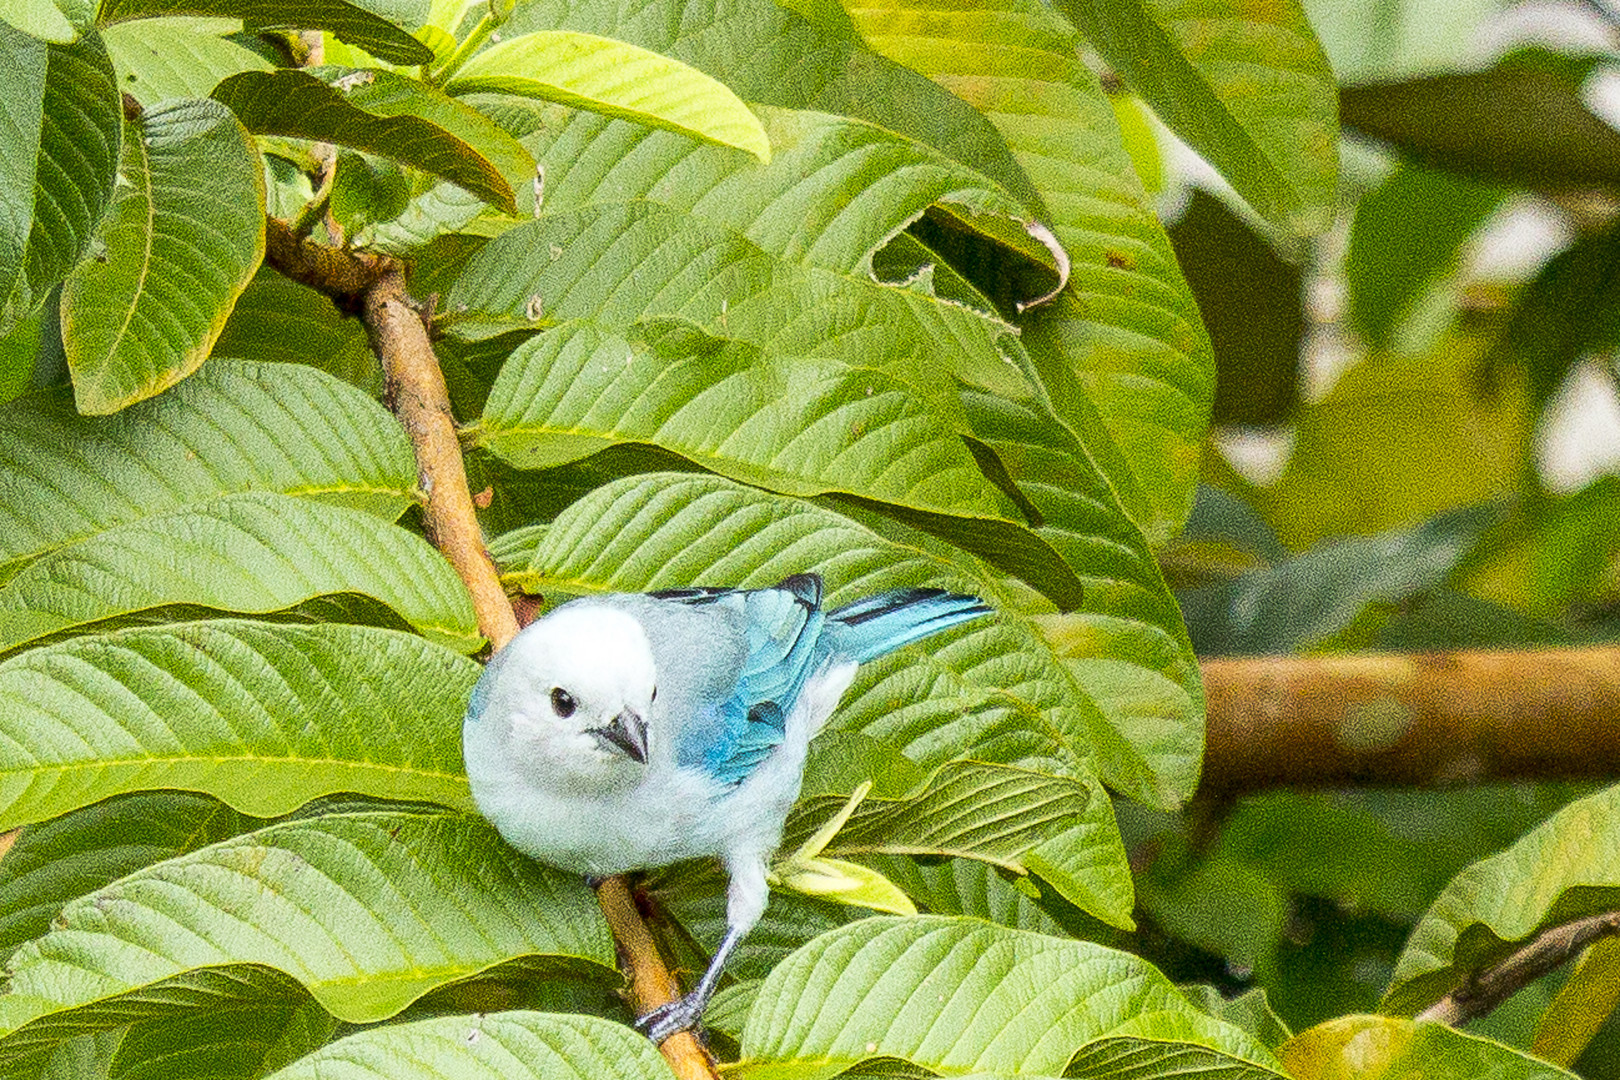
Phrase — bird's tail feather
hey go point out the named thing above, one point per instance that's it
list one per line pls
(879, 624)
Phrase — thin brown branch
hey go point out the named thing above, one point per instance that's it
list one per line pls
(416, 393)
(1482, 991)
(1470, 716)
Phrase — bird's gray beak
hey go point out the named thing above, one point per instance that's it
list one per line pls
(628, 732)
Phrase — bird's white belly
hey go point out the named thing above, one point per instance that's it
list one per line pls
(601, 833)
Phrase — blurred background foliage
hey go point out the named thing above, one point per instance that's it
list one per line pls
(1416, 447)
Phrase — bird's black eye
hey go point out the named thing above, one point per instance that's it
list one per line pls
(562, 702)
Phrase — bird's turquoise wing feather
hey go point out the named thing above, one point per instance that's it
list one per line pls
(782, 627)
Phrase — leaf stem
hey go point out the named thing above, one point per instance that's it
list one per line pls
(499, 11)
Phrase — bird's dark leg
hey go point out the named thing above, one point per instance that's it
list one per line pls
(683, 1013)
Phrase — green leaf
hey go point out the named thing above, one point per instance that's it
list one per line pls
(254, 552)
(615, 79)
(1523, 121)
(23, 61)
(277, 319)
(1300, 602)
(39, 19)
(801, 427)
(376, 33)
(966, 887)
(1408, 232)
(1253, 304)
(367, 910)
(993, 691)
(1246, 86)
(57, 861)
(512, 1045)
(1121, 351)
(1250, 1011)
(385, 113)
(1565, 869)
(84, 1043)
(1125, 643)
(181, 245)
(958, 996)
(367, 190)
(72, 180)
(1582, 1004)
(234, 427)
(1392, 1049)
(241, 1040)
(262, 716)
(835, 191)
(177, 57)
(1017, 819)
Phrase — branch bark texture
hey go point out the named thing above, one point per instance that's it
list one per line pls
(417, 396)
(1482, 991)
(1412, 719)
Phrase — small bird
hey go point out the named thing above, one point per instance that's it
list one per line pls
(633, 730)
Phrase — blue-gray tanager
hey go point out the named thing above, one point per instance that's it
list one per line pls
(633, 730)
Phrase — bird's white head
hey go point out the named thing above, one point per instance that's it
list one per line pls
(578, 690)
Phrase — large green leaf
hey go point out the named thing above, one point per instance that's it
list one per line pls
(770, 55)
(177, 57)
(1391, 1049)
(1246, 86)
(1565, 869)
(388, 114)
(993, 691)
(356, 23)
(43, 19)
(616, 79)
(1124, 339)
(85, 1043)
(234, 427)
(835, 190)
(181, 244)
(1300, 602)
(799, 427)
(511, 1045)
(262, 716)
(255, 552)
(959, 996)
(23, 62)
(60, 860)
(368, 910)
(72, 179)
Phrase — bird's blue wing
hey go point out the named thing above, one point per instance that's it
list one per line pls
(782, 627)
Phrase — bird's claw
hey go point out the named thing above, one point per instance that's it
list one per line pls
(679, 1015)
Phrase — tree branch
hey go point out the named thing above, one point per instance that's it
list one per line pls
(416, 393)
(1482, 991)
(1470, 716)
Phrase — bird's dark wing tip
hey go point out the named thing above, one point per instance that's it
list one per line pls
(806, 589)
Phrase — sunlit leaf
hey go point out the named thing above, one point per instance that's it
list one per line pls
(1566, 868)
(1393, 1049)
(22, 94)
(264, 717)
(616, 79)
(234, 427)
(181, 244)
(959, 996)
(512, 1045)
(176, 57)
(1246, 86)
(368, 910)
(254, 552)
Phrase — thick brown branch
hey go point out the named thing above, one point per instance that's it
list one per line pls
(1482, 991)
(334, 271)
(416, 393)
(1417, 719)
